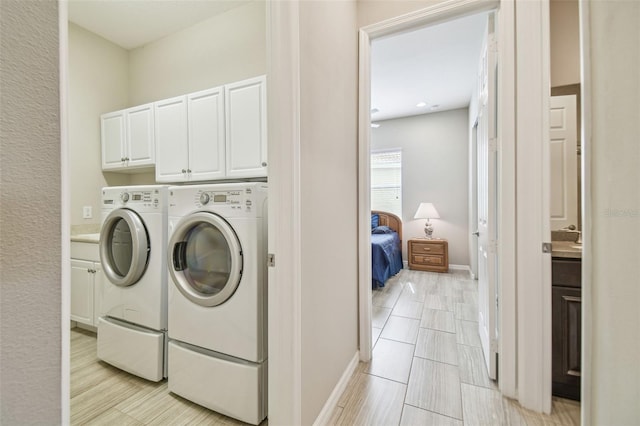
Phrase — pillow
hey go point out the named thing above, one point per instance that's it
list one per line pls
(375, 221)
(382, 230)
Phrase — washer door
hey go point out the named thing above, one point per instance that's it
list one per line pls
(205, 259)
(124, 247)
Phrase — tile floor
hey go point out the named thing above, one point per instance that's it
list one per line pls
(427, 366)
(427, 369)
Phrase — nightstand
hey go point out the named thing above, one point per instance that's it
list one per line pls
(428, 255)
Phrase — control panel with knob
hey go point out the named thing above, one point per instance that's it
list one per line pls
(124, 197)
(204, 198)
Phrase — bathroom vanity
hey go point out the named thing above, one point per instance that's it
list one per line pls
(566, 300)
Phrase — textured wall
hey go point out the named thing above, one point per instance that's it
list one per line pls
(30, 245)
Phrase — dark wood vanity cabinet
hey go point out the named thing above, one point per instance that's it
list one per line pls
(566, 327)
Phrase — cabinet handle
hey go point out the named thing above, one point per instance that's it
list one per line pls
(184, 170)
(427, 249)
(264, 164)
(189, 171)
(126, 158)
(122, 159)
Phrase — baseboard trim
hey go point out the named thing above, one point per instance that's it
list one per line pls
(462, 268)
(327, 410)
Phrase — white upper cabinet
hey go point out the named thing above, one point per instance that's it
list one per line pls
(171, 140)
(206, 134)
(128, 139)
(213, 134)
(190, 137)
(246, 129)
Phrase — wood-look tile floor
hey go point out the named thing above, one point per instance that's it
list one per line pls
(427, 369)
(104, 395)
(427, 366)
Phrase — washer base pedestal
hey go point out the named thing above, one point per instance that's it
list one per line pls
(224, 384)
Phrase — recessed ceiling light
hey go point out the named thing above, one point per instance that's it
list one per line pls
(375, 125)
(421, 104)
(374, 110)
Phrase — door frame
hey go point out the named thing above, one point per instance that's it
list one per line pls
(438, 13)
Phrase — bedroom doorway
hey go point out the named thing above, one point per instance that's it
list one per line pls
(427, 18)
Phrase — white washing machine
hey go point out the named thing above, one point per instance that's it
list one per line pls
(133, 311)
(217, 256)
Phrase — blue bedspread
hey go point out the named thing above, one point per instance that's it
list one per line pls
(386, 257)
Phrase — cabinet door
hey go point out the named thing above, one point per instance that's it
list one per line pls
(206, 134)
(82, 291)
(113, 139)
(171, 140)
(246, 128)
(140, 147)
(566, 305)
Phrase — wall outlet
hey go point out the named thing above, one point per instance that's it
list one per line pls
(87, 212)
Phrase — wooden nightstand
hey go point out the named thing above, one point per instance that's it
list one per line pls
(428, 255)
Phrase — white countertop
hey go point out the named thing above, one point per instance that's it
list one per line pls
(86, 238)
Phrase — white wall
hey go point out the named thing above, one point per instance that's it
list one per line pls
(435, 168)
(225, 48)
(98, 83)
(30, 219)
(565, 42)
(614, 377)
(328, 132)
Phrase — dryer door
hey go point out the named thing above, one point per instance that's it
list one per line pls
(205, 259)
(124, 247)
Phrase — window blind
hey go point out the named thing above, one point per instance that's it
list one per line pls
(386, 181)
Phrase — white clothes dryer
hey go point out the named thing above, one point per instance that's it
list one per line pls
(218, 297)
(133, 311)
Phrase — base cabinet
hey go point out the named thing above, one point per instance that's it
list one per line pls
(566, 307)
(86, 277)
(86, 283)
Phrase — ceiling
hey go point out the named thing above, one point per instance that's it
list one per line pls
(134, 23)
(436, 65)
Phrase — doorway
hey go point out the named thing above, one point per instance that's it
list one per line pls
(425, 17)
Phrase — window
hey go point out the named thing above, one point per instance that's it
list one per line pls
(386, 181)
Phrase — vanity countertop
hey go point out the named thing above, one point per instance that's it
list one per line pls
(566, 249)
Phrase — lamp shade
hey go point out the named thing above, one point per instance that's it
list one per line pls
(426, 211)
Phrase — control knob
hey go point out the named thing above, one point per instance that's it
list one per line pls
(124, 197)
(204, 198)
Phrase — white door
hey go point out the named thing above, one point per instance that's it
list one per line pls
(246, 128)
(487, 232)
(140, 139)
(172, 158)
(564, 162)
(206, 134)
(113, 139)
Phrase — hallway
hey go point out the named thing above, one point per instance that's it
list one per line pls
(427, 365)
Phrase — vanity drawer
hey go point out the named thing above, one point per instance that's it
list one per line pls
(566, 272)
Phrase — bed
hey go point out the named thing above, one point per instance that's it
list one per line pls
(386, 247)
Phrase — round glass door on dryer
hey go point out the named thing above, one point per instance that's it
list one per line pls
(124, 247)
(205, 259)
